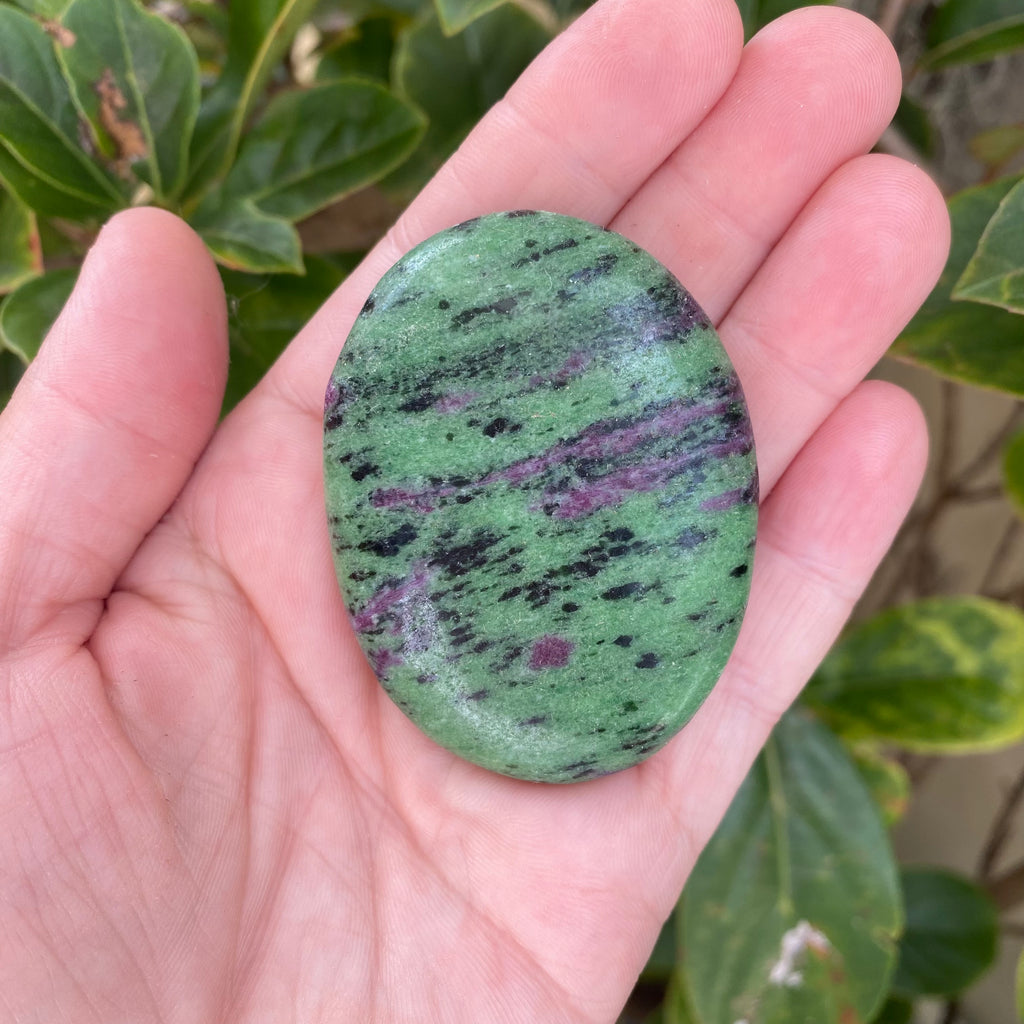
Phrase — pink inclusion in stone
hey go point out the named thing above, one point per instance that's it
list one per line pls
(551, 652)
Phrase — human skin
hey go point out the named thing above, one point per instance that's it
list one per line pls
(209, 811)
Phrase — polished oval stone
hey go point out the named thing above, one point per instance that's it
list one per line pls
(542, 495)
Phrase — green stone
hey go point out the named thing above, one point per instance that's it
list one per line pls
(542, 495)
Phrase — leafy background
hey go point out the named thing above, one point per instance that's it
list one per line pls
(290, 133)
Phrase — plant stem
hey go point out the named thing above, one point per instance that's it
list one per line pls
(1008, 889)
(1000, 830)
(999, 555)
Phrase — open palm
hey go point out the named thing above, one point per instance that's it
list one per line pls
(209, 811)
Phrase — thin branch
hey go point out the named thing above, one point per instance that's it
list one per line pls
(1007, 890)
(999, 832)
(994, 446)
(1001, 554)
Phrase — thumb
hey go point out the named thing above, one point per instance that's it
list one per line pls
(106, 425)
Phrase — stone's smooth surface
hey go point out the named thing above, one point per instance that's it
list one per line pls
(542, 495)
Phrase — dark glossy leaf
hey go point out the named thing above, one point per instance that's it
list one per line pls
(896, 1010)
(887, 782)
(950, 937)
(242, 237)
(20, 252)
(266, 312)
(758, 13)
(965, 340)
(662, 961)
(479, 65)
(28, 314)
(793, 909)
(316, 145)
(913, 121)
(995, 273)
(944, 674)
(135, 78)
(362, 51)
(41, 160)
(11, 369)
(1013, 472)
(260, 33)
(973, 30)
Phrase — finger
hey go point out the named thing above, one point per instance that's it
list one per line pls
(108, 421)
(821, 535)
(814, 89)
(581, 130)
(842, 283)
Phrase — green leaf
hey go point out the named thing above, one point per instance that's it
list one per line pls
(662, 961)
(314, 146)
(43, 8)
(950, 937)
(266, 313)
(973, 30)
(1020, 987)
(678, 1006)
(242, 237)
(758, 13)
(20, 252)
(886, 780)
(364, 51)
(261, 32)
(455, 15)
(479, 66)
(792, 911)
(965, 340)
(41, 160)
(942, 675)
(996, 147)
(995, 274)
(1013, 471)
(135, 78)
(28, 314)
(896, 1010)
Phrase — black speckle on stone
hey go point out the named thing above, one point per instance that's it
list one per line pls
(419, 403)
(530, 243)
(426, 677)
(444, 304)
(462, 558)
(623, 641)
(696, 616)
(467, 316)
(368, 306)
(690, 538)
(390, 545)
(619, 535)
(570, 606)
(605, 265)
(510, 593)
(364, 470)
(497, 426)
(649, 660)
(630, 707)
(479, 695)
(535, 720)
(569, 243)
(361, 574)
(513, 214)
(622, 591)
(740, 570)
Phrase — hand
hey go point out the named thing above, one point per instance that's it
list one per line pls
(209, 811)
